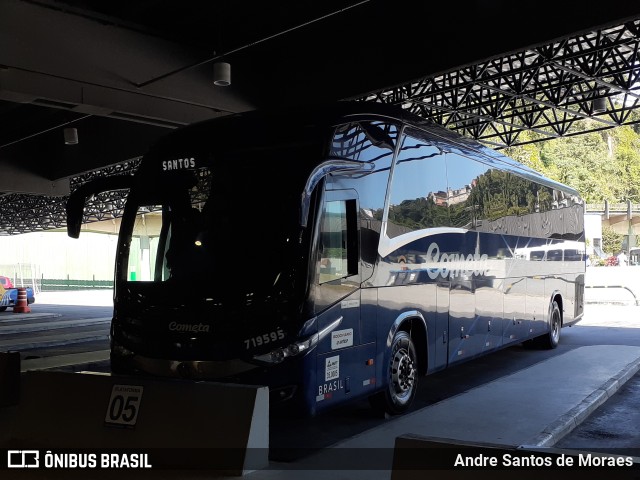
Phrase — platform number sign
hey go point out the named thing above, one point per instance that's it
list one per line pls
(124, 406)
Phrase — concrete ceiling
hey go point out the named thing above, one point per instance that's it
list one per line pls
(124, 73)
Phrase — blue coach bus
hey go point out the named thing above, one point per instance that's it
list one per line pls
(334, 253)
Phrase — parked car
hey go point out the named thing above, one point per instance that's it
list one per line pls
(9, 294)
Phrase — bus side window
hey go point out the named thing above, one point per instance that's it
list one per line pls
(554, 255)
(338, 241)
(537, 255)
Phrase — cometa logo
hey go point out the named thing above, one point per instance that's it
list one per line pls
(455, 264)
(188, 327)
(179, 163)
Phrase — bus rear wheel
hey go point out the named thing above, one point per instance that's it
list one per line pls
(402, 377)
(551, 339)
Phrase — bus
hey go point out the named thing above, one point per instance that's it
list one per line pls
(332, 253)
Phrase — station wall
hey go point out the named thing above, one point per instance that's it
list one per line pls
(54, 255)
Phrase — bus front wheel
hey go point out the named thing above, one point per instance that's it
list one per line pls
(402, 377)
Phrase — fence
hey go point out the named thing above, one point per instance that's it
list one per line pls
(28, 275)
(613, 285)
(57, 284)
(22, 275)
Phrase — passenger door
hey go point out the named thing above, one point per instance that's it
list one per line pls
(342, 370)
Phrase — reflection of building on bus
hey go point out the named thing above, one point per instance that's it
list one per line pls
(634, 256)
(318, 264)
(451, 197)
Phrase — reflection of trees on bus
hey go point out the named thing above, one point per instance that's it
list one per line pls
(491, 196)
(419, 213)
(497, 194)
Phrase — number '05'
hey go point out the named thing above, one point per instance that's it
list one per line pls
(121, 409)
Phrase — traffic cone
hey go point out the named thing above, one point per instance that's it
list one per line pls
(22, 306)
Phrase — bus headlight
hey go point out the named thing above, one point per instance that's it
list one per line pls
(279, 354)
(298, 348)
(119, 350)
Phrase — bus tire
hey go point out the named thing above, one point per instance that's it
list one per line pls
(402, 377)
(551, 339)
(2, 309)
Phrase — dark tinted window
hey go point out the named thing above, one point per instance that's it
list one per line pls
(419, 196)
(571, 255)
(554, 255)
(476, 192)
(371, 142)
(364, 141)
(537, 255)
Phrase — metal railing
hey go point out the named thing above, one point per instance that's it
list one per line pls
(613, 207)
(56, 284)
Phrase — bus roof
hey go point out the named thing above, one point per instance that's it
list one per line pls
(326, 116)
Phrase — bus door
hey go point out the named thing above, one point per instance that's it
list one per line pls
(342, 371)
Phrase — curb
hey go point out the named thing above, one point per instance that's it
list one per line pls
(67, 360)
(49, 327)
(574, 417)
(21, 317)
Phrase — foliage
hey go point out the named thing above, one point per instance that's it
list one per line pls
(611, 240)
(528, 154)
(626, 146)
(419, 213)
(601, 165)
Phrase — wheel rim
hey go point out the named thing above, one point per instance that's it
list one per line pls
(555, 326)
(403, 374)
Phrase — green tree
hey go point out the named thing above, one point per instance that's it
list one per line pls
(626, 147)
(611, 241)
(601, 165)
(529, 153)
(582, 162)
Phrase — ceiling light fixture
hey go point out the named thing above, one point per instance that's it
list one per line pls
(599, 105)
(222, 74)
(70, 136)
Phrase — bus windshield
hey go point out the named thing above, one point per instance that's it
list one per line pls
(218, 225)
